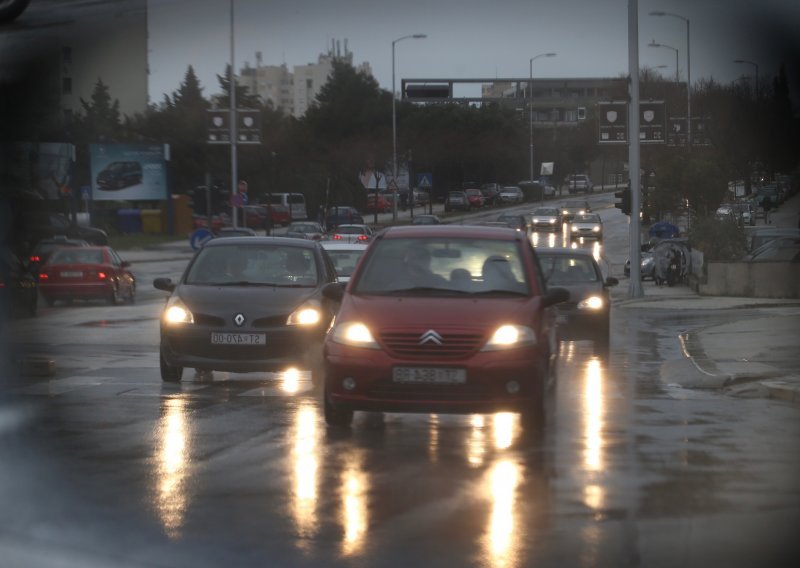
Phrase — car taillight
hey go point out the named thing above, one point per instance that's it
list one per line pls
(35, 258)
(337, 237)
(362, 237)
(43, 276)
(101, 275)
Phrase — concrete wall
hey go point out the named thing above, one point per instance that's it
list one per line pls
(752, 279)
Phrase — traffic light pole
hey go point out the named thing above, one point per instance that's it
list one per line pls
(634, 168)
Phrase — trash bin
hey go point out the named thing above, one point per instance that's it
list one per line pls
(130, 220)
(151, 221)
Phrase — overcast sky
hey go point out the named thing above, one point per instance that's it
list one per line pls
(472, 38)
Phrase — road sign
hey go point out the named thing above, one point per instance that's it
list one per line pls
(248, 126)
(86, 192)
(652, 122)
(613, 122)
(392, 186)
(425, 181)
(200, 237)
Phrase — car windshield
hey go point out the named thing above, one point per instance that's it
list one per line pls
(444, 266)
(546, 213)
(73, 256)
(587, 219)
(263, 264)
(345, 260)
(562, 269)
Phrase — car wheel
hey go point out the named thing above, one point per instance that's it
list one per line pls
(533, 417)
(113, 296)
(132, 293)
(169, 374)
(336, 416)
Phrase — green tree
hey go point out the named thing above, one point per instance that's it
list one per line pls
(101, 116)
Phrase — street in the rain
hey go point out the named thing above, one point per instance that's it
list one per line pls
(105, 464)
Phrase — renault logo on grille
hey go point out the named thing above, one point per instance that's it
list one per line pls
(430, 336)
(239, 319)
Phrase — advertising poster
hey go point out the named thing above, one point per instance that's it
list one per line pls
(128, 172)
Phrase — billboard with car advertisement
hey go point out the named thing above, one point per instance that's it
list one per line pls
(128, 172)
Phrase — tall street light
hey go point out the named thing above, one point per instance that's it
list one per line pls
(675, 49)
(530, 106)
(688, 75)
(394, 123)
(754, 64)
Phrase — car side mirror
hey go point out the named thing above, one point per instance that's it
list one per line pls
(164, 284)
(611, 281)
(555, 296)
(334, 291)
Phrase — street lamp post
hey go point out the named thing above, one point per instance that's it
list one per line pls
(394, 122)
(675, 49)
(754, 64)
(688, 75)
(530, 108)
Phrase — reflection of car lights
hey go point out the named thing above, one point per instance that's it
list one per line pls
(355, 334)
(510, 336)
(591, 303)
(574, 229)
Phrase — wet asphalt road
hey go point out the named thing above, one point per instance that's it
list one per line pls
(104, 463)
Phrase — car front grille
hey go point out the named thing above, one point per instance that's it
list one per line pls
(453, 345)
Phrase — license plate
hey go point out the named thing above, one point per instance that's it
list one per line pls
(219, 338)
(429, 375)
(71, 274)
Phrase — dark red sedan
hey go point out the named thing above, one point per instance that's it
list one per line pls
(86, 273)
(446, 319)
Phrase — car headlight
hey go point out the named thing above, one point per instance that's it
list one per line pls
(535, 220)
(509, 337)
(574, 229)
(176, 312)
(305, 315)
(647, 261)
(596, 228)
(591, 303)
(581, 212)
(565, 212)
(355, 334)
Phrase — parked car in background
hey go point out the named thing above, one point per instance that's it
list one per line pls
(339, 214)
(19, 292)
(86, 273)
(345, 256)
(475, 197)
(119, 175)
(256, 217)
(574, 207)
(379, 204)
(511, 195)
(251, 304)
(310, 230)
(546, 219)
(587, 226)
(587, 312)
(456, 201)
(578, 183)
(45, 247)
(279, 214)
(490, 192)
(426, 220)
(759, 236)
(779, 249)
(352, 233)
(411, 336)
(728, 212)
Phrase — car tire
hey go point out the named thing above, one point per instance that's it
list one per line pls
(169, 373)
(533, 417)
(113, 296)
(132, 294)
(336, 416)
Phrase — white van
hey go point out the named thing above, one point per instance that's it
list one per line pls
(295, 202)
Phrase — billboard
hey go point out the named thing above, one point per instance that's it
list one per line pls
(128, 172)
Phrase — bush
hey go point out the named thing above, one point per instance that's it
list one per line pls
(719, 240)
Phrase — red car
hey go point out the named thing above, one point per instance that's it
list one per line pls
(445, 319)
(279, 214)
(86, 273)
(475, 197)
(381, 204)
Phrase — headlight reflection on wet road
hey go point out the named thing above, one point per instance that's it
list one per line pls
(172, 461)
(355, 517)
(305, 466)
(593, 412)
(502, 542)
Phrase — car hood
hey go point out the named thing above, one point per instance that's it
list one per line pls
(253, 301)
(441, 312)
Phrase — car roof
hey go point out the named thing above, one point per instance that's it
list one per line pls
(338, 245)
(254, 241)
(455, 231)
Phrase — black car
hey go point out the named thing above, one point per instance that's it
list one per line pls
(247, 304)
(45, 247)
(119, 175)
(19, 294)
(586, 315)
(456, 201)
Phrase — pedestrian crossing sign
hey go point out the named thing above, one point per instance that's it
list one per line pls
(425, 181)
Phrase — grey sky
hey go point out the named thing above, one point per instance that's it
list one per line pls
(472, 38)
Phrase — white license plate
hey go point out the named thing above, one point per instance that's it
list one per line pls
(71, 274)
(219, 338)
(429, 375)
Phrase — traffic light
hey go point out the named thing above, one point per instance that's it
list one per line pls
(625, 200)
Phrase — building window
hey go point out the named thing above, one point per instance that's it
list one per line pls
(309, 83)
(66, 54)
(66, 86)
(571, 115)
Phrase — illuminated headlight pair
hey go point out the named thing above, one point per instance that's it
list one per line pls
(591, 303)
(176, 312)
(356, 334)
